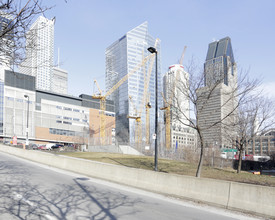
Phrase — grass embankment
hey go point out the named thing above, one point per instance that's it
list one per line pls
(171, 166)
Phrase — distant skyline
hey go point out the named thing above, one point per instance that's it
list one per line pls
(83, 30)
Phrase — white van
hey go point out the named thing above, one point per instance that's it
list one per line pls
(224, 155)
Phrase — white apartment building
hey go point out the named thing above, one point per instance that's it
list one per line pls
(175, 88)
(40, 52)
(7, 44)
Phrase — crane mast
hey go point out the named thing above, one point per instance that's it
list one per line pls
(102, 98)
(143, 103)
(169, 103)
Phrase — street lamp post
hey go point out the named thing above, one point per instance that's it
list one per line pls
(154, 50)
(27, 130)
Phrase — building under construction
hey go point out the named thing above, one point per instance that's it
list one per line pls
(129, 55)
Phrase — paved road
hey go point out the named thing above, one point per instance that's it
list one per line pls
(33, 191)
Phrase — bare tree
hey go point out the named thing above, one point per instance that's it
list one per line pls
(15, 19)
(203, 97)
(255, 116)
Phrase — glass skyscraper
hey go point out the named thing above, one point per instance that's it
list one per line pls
(219, 59)
(121, 58)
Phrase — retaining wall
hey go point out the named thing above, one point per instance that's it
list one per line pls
(231, 195)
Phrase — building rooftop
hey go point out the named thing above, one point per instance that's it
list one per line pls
(220, 48)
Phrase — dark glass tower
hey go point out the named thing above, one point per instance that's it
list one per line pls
(217, 98)
(219, 60)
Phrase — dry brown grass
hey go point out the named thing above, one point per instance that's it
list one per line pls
(172, 166)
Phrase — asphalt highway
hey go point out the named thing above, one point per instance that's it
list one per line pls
(33, 191)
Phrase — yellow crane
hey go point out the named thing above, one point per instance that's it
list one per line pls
(167, 122)
(168, 104)
(147, 107)
(137, 119)
(137, 116)
(138, 125)
(102, 97)
(146, 97)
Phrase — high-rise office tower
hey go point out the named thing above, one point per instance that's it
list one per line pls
(121, 58)
(220, 65)
(40, 52)
(217, 99)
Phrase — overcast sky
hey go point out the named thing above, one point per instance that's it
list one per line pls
(85, 28)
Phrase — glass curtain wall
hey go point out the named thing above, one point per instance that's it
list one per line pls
(121, 58)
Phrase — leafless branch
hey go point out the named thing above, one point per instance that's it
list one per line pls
(15, 22)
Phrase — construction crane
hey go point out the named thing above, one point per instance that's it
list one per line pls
(138, 124)
(169, 102)
(147, 108)
(167, 122)
(137, 119)
(102, 97)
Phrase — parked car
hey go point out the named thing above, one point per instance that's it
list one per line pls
(49, 146)
(33, 146)
(42, 147)
(58, 146)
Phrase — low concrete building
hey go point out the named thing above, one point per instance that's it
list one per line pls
(52, 117)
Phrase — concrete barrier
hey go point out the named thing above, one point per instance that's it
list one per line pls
(254, 198)
(231, 195)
